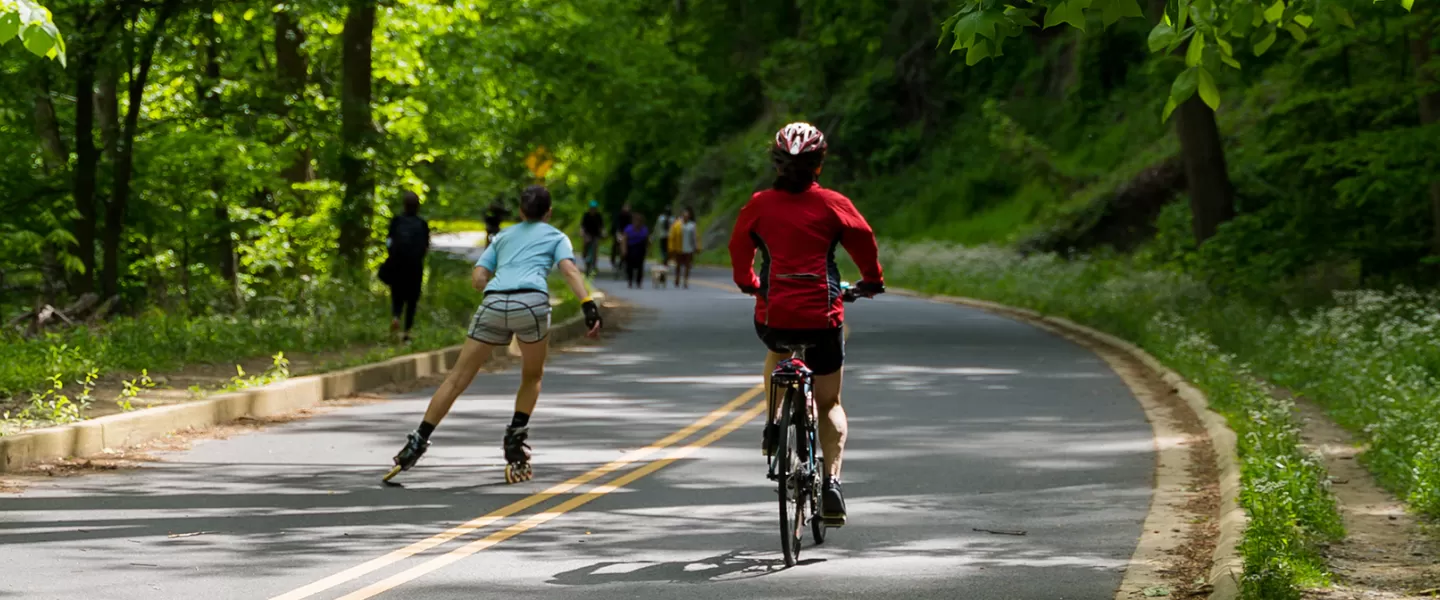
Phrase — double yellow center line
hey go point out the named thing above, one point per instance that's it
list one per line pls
(443, 537)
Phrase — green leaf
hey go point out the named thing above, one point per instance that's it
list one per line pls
(1296, 31)
(1275, 11)
(977, 24)
(1185, 85)
(249, 14)
(1114, 10)
(1304, 20)
(37, 40)
(218, 17)
(1230, 60)
(1225, 48)
(1407, 4)
(1161, 37)
(1243, 16)
(1182, 14)
(1170, 105)
(1196, 52)
(978, 52)
(1208, 91)
(1342, 16)
(1018, 17)
(9, 26)
(1263, 40)
(1069, 11)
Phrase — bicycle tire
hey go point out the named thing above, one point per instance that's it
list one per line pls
(791, 518)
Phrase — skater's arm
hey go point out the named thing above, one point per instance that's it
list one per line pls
(479, 278)
(574, 279)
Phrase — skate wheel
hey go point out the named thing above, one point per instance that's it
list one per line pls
(393, 472)
(517, 473)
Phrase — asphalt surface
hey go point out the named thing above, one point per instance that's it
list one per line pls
(960, 421)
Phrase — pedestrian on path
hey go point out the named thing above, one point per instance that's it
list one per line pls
(512, 274)
(404, 269)
(637, 243)
(662, 227)
(684, 245)
(617, 238)
(592, 225)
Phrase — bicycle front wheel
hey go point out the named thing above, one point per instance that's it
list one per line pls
(788, 473)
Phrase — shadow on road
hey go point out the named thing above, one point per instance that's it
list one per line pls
(725, 567)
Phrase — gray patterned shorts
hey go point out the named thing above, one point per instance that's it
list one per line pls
(501, 316)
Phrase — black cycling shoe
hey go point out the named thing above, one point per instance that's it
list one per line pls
(832, 504)
(767, 442)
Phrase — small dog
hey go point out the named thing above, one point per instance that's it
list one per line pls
(658, 273)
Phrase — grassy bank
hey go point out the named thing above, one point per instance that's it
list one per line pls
(1222, 345)
(332, 317)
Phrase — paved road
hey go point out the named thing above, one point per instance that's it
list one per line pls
(959, 420)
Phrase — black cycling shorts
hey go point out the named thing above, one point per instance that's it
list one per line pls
(826, 354)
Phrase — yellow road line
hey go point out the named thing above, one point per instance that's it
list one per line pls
(469, 526)
(495, 538)
(729, 287)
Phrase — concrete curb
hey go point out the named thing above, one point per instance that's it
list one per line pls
(88, 438)
(1227, 566)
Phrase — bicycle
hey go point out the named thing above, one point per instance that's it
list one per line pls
(795, 463)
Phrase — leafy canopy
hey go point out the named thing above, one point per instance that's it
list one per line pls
(33, 24)
(1209, 30)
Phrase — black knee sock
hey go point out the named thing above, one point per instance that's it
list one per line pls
(519, 420)
(425, 430)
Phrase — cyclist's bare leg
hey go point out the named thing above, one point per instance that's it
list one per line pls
(532, 370)
(833, 425)
(472, 356)
(772, 359)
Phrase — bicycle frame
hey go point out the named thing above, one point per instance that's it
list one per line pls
(793, 374)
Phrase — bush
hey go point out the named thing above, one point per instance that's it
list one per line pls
(332, 316)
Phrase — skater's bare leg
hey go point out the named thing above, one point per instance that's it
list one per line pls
(532, 370)
(472, 356)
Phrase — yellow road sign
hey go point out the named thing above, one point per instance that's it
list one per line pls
(539, 162)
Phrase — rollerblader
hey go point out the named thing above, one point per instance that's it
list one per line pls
(512, 274)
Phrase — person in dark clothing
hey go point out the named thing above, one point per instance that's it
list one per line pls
(637, 242)
(409, 242)
(494, 216)
(617, 237)
(592, 226)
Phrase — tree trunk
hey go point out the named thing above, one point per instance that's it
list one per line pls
(47, 128)
(125, 153)
(1212, 198)
(1429, 104)
(87, 159)
(292, 72)
(107, 109)
(213, 110)
(356, 130)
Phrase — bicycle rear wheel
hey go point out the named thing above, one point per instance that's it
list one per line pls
(788, 473)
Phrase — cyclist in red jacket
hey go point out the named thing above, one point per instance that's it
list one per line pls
(795, 227)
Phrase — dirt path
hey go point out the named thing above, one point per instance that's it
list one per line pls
(1387, 553)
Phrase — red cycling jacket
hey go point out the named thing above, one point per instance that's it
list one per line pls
(796, 235)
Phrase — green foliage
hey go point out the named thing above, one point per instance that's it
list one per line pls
(1208, 30)
(31, 23)
(279, 370)
(331, 316)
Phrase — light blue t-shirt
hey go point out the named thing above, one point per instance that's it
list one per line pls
(522, 256)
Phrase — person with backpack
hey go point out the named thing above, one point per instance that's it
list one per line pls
(404, 268)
